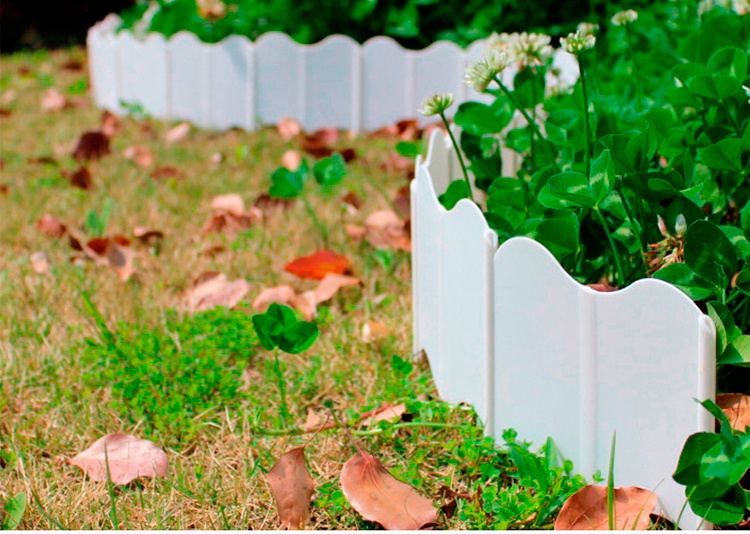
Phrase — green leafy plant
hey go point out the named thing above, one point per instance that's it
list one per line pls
(14, 510)
(96, 222)
(711, 466)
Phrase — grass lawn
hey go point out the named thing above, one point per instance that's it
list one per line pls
(200, 384)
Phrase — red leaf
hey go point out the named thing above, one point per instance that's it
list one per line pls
(319, 264)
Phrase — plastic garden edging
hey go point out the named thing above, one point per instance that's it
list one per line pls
(236, 82)
(509, 331)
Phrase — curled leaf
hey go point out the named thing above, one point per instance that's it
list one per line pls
(213, 289)
(378, 496)
(128, 457)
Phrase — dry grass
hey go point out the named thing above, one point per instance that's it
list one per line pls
(48, 413)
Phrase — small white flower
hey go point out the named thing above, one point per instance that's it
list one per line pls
(680, 225)
(435, 104)
(747, 92)
(587, 27)
(480, 74)
(532, 49)
(578, 42)
(624, 17)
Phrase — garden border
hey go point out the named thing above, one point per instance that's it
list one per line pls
(236, 82)
(509, 331)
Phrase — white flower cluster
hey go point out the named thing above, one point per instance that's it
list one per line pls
(522, 48)
(479, 75)
(578, 42)
(624, 17)
(435, 104)
(587, 27)
(211, 9)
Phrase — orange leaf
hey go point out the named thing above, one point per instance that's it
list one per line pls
(586, 509)
(128, 458)
(386, 412)
(737, 409)
(317, 265)
(373, 330)
(292, 488)
(378, 496)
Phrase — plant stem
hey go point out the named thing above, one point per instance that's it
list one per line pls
(458, 153)
(586, 128)
(611, 486)
(316, 222)
(532, 123)
(636, 73)
(618, 264)
(282, 386)
(533, 115)
(636, 227)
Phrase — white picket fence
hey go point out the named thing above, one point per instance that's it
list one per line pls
(509, 331)
(236, 82)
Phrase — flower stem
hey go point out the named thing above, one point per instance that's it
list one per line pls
(458, 153)
(586, 128)
(618, 263)
(316, 222)
(636, 73)
(284, 409)
(532, 123)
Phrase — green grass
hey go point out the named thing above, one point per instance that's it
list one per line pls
(131, 359)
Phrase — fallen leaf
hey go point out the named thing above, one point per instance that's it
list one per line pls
(212, 251)
(39, 262)
(317, 265)
(313, 421)
(280, 294)
(128, 458)
(53, 100)
(266, 202)
(378, 496)
(178, 133)
(91, 145)
(450, 498)
(383, 229)
(72, 65)
(386, 412)
(291, 159)
(373, 330)
(110, 124)
(604, 288)
(3, 188)
(328, 136)
(348, 154)
(402, 202)
(147, 236)
(141, 155)
(586, 509)
(396, 164)
(114, 252)
(305, 304)
(50, 226)
(214, 289)
(81, 179)
(42, 160)
(352, 200)
(404, 130)
(164, 173)
(231, 203)
(289, 128)
(292, 488)
(737, 409)
(330, 284)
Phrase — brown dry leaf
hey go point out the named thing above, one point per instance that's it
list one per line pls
(128, 458)
(352, 200)
(292, 488)
(110, 124)
(266, 202)
(81, 179)
(291, 159)
(147, 236)
(305, 304)
(289, 128)
(214, 289)
(378, 496)
(386, 412)
(231, 222)
(91, 145)
(383, 229)
(586, 509)
(402, 202)
(405, 130)
(373, 330)
(330, 284)
(212, 251)
(280, 294)
(164, 173)
(53, 100)
(114, 252)
(737, 409)
(318, 264)
(178, 133)
(50, 226)
(141, 155)
(39, 262)
(313, 421)
(72, 65)
(230, 203)
(3, 188)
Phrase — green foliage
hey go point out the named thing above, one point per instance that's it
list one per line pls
(289, 184)
(166, 378)
(711, 466)
(278, 327)
(457, 190)
(414, 23)
(14, 510)
(96, 223)
(329, 171)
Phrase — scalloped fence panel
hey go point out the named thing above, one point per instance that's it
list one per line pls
(236, 82)
(508, 330)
